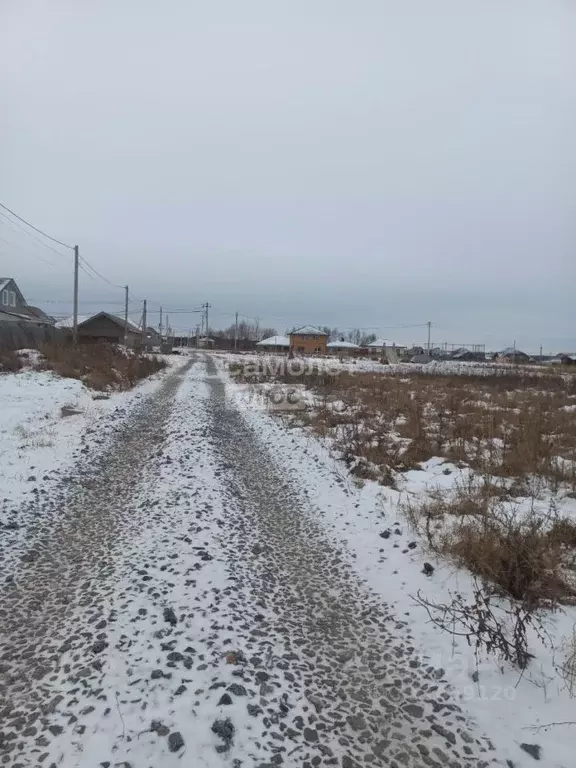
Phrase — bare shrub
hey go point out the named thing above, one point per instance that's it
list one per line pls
(523, 553)
(487, 623)
(567, 668)
(9, 361)
(100, 366)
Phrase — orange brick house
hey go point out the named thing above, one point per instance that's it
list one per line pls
(308, 340)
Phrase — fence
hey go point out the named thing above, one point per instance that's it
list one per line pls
(23, 335)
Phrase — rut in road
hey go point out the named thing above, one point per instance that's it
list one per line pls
(370, 698)
(63, 577)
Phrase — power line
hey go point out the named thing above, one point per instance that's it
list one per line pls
(37, 239)
(45, 261)
(87, 264)
(54, 240)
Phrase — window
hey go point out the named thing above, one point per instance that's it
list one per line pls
(12, 299)
(5, 298)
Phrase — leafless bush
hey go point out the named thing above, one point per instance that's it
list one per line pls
(487, 623)
(100, 366)
(524, 553)
(567, 668)
(9, 361)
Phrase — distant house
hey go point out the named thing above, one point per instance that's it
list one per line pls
(274, 344)
(565, 358)
(374, 349)
(342, 348)
(103, 327)
(513, 355)
(385, 349)
(308, 340)
(153, 336)
(13, 306)
(464, 355)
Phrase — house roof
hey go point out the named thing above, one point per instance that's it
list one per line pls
(571, 355)
(4, 282)
(21, 315)
(309, 330)
(274, 341)
(342, 345)
(68, 322)
(378, 343)
(37, 312)
(511, 351)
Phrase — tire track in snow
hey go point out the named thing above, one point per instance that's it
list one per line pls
(52, 607)
(334, 651)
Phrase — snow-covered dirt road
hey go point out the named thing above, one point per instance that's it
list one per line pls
(178, 600)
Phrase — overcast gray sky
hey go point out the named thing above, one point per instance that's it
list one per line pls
(368, 163)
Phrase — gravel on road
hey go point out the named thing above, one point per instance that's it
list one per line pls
(179, 603)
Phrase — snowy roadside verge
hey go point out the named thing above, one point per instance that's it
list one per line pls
(39, 441)
(510, 707)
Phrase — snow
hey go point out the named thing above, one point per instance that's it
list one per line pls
(34, 435)
(342, 345)
(274, 341)
(35, 439)
(68, 322)
(365, 365)
(309, 330)
(509, 706)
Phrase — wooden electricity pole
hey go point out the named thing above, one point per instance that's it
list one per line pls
(75, 319)
(126, 315)
(144, 325)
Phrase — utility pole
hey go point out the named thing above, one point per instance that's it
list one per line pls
(236, 333)
(75, 320)
(257, 328)
(206, 307)
(168, 329)
(429, 324)
(197, 335)
(160, 323)
(144, 326)
(125, 315)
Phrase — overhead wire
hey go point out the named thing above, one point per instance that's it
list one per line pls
(36, 229)
(37, 239)
(35, 256)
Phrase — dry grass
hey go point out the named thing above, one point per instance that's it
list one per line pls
(100, 366)
(528, 555)
(517, 424)
(9, 361)
(514, 430)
